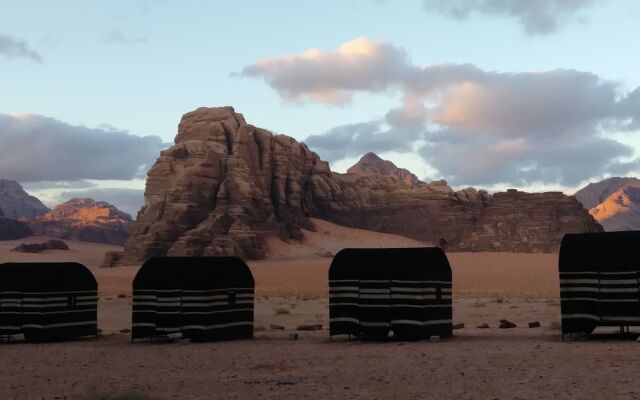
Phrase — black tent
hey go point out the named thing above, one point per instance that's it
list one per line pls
(405, 290)
(48, 301)
(599, 281)
(202, 298)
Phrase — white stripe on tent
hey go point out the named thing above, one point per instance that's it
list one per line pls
(344, 319)
(58, 293)
(228, 325)
(343, 288)
(375, 324)
(620, 318)
(216, 312)
(218, 290)
(50, 305)
(579, 289)
(9, 327)
(596, 272)
(414, 297)
(619, 290)
(421, 323)
(407, 289)
(53, 312)
(434, 282)
(581, 316)
(38, 326)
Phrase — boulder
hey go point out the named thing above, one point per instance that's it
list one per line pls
(40, 247)
(112, 259)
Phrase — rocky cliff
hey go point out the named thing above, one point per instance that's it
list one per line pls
(16, 203)
(524, 222)
(371, 164)
(84, 220)
(597, 192)
(224, 186)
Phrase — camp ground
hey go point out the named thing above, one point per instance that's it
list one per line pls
(403, 291)
(199, 298)
(599, 281)
(47, 301)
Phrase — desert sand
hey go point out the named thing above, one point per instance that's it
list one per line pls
(291, 289)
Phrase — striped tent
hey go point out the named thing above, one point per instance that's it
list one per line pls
(201, 298)
(48, 301)
(373, 292)
(599, 281)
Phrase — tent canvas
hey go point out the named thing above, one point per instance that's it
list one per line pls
(201, 298)
(404, 290)
(599, 281)
(48, 301)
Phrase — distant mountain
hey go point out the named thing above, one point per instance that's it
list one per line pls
(614, 202)
(16, 203)
(371, 164)
(85, 220)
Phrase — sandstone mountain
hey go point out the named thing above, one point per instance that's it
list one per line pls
(11, 229)
(16, 203)
(613, 202)
(85, 220)
(597, 192)
(225, 186)
(371, 164)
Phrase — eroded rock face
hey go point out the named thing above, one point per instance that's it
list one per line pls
(371, 164)
(515, 221)
(84, 220)
(16, 203)
(224, 186)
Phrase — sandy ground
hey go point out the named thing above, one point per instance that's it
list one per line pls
(519, 363)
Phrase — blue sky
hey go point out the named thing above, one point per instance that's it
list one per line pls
(137, 66)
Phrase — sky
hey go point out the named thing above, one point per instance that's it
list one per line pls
(535, 95)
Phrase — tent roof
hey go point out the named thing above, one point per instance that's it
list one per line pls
(46, 276)
(420, 263)
(191, 272)
(602, 251)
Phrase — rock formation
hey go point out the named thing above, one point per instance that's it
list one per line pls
(84, 220)
(11, 229)
(16, 203)
(371, 164)
(224, 186)
(516, 221)
(613, 202)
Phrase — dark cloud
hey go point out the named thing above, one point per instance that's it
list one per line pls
(356, 139)
(12, 47)
(35, 148)
(537, 17)
(127, 200)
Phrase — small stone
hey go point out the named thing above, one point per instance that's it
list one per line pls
(122, 296)
(309, 327)
(276, 327)
(534, 324)
(505, 324)
(483, 326)
(458, 326)
(125, 330)
(293, 336)
(434, 339)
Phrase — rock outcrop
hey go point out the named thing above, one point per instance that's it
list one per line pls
(613, 202)
(224, 186)
(11, 229)
(84, 220)
(516, 221)
(16, 203)
(371, 164)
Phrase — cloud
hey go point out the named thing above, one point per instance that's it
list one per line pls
(332, 76)
(537, 17)
(474, 126)
(38, 148)
(43, 185)
(12, 47)
(127, 200)
(116, 36)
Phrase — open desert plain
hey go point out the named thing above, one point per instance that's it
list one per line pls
(291, 289)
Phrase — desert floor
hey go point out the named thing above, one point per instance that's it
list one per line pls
(519, 363)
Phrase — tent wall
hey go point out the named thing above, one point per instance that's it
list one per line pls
(599, 281)
(375, 291)
(48, 301)
(202, 298)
